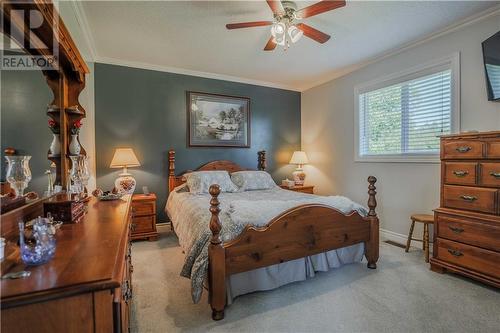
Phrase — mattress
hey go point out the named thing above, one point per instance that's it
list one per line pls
(190, 217)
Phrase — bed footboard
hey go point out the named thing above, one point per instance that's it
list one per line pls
(299, 232)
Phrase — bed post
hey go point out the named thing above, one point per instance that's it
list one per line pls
(372, 246)
(171, 170)
(261, 161)
(216, 260)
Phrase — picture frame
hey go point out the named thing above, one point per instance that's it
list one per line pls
(215, 120)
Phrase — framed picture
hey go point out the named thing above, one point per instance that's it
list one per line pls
(218, 120)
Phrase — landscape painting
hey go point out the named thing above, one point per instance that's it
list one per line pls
(218, 120)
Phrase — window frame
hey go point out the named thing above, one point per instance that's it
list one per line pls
(451, 62)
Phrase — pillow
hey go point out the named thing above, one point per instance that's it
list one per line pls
(253, 180)
(200, 181)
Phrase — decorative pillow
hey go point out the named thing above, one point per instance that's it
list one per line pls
(253, 180)
(200, 181)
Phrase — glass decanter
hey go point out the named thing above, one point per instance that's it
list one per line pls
(42, 247)
(83, 163)
(75, 174)
(18, 173)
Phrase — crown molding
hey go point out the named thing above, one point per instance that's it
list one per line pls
(81, 17)
(183, 71)
(492, 11)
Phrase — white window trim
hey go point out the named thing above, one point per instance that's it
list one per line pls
(453, 61)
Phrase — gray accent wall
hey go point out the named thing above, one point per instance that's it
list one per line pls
(146, 110)
(24, 99)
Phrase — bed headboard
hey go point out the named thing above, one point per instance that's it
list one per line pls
(229, 166)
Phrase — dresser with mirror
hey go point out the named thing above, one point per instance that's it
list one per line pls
(86, 286)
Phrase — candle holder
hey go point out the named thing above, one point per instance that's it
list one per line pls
(18, 173)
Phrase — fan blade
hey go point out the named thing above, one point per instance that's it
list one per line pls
(276, 6)
(312, 33)
(248, 24)
(271, 45)
(319, 8)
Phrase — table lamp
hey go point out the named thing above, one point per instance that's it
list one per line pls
(299, 158)
(124, 158)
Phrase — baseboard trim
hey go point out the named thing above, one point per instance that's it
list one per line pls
(392, 236)
(162, 224)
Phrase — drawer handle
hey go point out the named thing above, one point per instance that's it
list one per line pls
(495, 174)
(460, 173)
(463, 149)
(456, 229)
(469, 198)
(455, 253)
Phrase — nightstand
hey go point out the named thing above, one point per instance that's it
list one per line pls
(303, 189)
(144, 217)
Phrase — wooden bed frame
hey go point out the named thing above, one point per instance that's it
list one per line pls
(296, 233)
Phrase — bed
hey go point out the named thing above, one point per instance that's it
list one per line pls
(259, 240)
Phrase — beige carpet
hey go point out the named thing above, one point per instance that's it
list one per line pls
(402, 295)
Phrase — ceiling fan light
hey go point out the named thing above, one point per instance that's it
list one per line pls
(278, 29)
(294, 33)
(280, 40)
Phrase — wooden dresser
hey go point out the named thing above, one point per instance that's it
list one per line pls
(467, 224)
(86, 287)
(144, 217)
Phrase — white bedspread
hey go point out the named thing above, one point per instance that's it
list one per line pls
(190, 216)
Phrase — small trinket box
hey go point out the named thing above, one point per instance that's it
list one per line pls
(65, 208)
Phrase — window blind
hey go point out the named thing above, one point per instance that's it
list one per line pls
(407, 117)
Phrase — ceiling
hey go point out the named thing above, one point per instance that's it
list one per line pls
(191, 36)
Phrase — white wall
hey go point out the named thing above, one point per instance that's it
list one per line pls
(404, 188)
(69, 13)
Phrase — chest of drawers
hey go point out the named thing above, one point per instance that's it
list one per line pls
(467, 223)
(144, 217)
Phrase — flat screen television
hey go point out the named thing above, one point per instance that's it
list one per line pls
(491, 56)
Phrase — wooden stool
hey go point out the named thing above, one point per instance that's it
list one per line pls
(426, 220)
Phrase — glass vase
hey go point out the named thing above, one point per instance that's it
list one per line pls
(79, 172)
(84, 171)
(18, 173)
(75, 175)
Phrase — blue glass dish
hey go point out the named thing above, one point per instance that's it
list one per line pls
(43, 247)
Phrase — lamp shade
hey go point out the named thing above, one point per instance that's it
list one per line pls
(299, 157)
(124, 158)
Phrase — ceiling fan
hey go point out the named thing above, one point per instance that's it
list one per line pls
(286, 26)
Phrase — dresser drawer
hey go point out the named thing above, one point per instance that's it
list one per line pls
(466, 231)
(475, 258)
(143, 224)
(461, 173)
(493, 150)
(470, 198)
(141, 208)
(490, 174)
(462, 149)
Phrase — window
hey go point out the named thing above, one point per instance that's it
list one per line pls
(400, 118)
